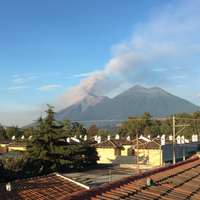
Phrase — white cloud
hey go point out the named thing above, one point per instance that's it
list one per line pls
(69, 77)
(177, 77)
(33, 77)
(48, 87)
(78, 75)
(17, 88)
(169, 40)
(19, 81)
(198, 95)
(52, 74)
(158, 70)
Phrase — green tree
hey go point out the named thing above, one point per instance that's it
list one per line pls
(135, 125)
(2, 133)
(12, 168)
(53, 153)
(196, 122)
(13, 131)
(93, 130)
(29, 131)
(103, 134)
(71, 129)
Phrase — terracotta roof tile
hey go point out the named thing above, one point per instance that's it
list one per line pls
(17, 144)
(51, 186)
(6, 141)
(109, 144)
(176, 181)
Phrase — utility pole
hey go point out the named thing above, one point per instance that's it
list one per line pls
(174, 134)
(138, 169)
(174, 158)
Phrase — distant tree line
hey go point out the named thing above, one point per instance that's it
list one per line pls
(146, 125)
(7, 133)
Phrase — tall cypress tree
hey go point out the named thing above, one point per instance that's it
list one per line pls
(55, 154)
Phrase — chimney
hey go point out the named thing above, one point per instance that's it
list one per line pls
(75, 136)
(23, 137)
(30, 137)
(117, 137)
(193, 138)
(163, 140)
(158, 136)
(178, 140)
(13, 137)
(128, 138)
(196, 138)
(8, 187)
(81, 136)
(108, 137)
(99, 139)
(148, 136)
(183, 140)
(68, 139)
(95, 137)
(170, 138)
(85, 137)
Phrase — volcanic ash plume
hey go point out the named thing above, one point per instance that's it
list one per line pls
(150, 56)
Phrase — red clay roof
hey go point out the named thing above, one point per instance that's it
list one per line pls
(51, 186)
(6, 141)
(12, 143)
(176, 181)
(150, 145)
(108, 144)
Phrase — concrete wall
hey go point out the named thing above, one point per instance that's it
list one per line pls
(153, 157)
(180, 151)
(127, 150)
(122, 160)
(150, 156)
(106, 155)
(117, 152)
(3, 145)
(16, 148)
(3, 149)
(193, 146)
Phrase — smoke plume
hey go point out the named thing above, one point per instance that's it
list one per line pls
(158, 50)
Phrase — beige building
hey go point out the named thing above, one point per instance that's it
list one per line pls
(110, 151)
(154, 152)
(11, 145)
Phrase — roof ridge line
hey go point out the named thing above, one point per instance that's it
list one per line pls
(156, 143)
(73, 181)
(113, 143)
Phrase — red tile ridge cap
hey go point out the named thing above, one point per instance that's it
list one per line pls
(93, 192)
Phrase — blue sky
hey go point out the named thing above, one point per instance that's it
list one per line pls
(56, 51)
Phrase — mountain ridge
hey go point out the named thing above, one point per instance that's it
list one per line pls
(133, 101)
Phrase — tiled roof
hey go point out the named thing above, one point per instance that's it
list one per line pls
(91, 141)
(5, 141)
(12, 143)
(154, 144)
(17, 144)
(140, 141)
(109, 144)
(176, 181)
(51, 186)
(125, 142)
(167, 142)
(150, 145)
